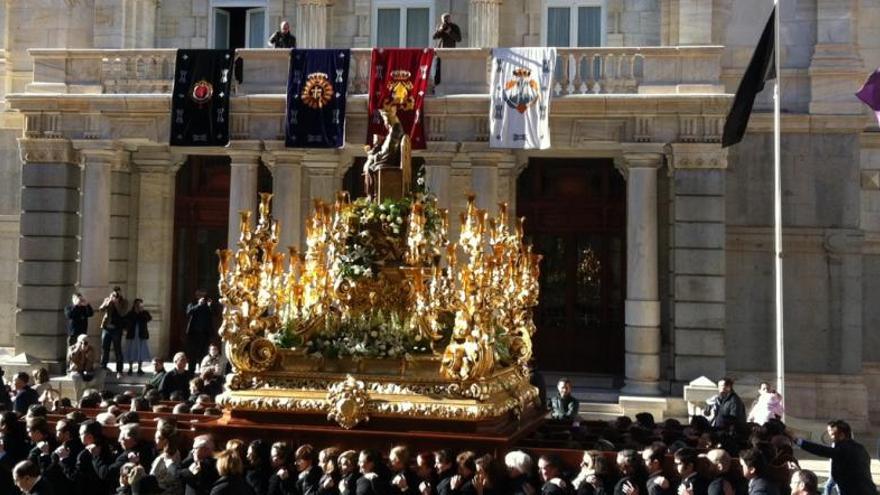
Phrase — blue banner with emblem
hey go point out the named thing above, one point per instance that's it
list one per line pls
(316, 89)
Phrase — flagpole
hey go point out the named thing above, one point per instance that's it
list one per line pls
(777, 208)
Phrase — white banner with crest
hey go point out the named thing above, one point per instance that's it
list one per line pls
(519, 113)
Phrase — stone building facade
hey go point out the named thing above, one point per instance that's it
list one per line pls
(91, 193)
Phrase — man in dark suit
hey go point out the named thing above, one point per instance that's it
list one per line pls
(198, 471)
(25, 396)
(850, 462)
(754, 467)
(686, 465)
(176, 380)
(654, 455)
(550, 474)
(26, 476)
(371, 482)
(726, 408)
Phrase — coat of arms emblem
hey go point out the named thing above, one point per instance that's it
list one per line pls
(399, 89)
(201, 92)
(317, 91)
(522, 91)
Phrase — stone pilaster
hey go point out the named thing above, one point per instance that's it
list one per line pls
(242, 191)
(837, 69)
(694, 22)
(438, 169)
(484, 182)
(98, 159)
(698, 259)
(47, 267)
(311, 26)
(322, 177)
(287, 200)
(483, 16)
(156, 169)
(642, 360)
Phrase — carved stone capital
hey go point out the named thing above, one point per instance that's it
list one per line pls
(282, 158)
(102, 153)
(157, 160)
(47, 151)
(697, 156)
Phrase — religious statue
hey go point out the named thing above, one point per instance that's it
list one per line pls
(387, 153)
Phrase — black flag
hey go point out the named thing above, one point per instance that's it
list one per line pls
(761, 69)
(200, 99)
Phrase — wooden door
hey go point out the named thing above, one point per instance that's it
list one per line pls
(201, 220)
(201, 217)
(575, 213)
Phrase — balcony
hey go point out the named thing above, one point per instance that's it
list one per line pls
(580, 71)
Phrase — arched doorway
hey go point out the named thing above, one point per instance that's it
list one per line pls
(575, 213)
(201, 218)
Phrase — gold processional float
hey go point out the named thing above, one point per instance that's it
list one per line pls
(382, 316)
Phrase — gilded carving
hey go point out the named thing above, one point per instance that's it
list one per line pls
(348, 402)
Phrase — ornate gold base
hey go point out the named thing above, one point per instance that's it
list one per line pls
(351, 392)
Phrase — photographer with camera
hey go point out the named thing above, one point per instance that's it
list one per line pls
(112, 326)
(77, 313)
(199, 328)
(447, 35)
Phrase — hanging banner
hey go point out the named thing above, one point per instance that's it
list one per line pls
(316, 88)
(200, 99)
(399, 78)
(519, 115)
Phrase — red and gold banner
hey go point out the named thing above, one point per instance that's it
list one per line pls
(399, 77)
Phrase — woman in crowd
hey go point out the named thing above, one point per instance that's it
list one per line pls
(258, 468)
(348, 471)
(162, 479)
(230, 467)
(136, 336)
(519, 468)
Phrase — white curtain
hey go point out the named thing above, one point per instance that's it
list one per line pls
(589, 26)
(388, 28)
(558, 26)
(417, 28)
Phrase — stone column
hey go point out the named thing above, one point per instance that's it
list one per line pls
(98, 158)
(287, 199)
(156, 169)
(642, 361)
(311, 23)
(48, 244)
(698, 259)
(437, 177)
(694, 22)
(483, 18)
(242, 191)
(837, 69)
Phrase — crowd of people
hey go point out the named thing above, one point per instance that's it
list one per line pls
(631, 457)
(49, 446)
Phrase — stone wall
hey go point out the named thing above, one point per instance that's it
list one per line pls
(823, 262)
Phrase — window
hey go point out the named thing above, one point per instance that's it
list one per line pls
(239, 24)
(570, 23)
(402, 23)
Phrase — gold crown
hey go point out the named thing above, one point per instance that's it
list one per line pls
(522, 72)
(400, 75)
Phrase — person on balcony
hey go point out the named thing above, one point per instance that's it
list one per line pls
(447, 35)
(283, 38)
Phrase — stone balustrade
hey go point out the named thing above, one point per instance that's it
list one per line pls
(579, 71)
